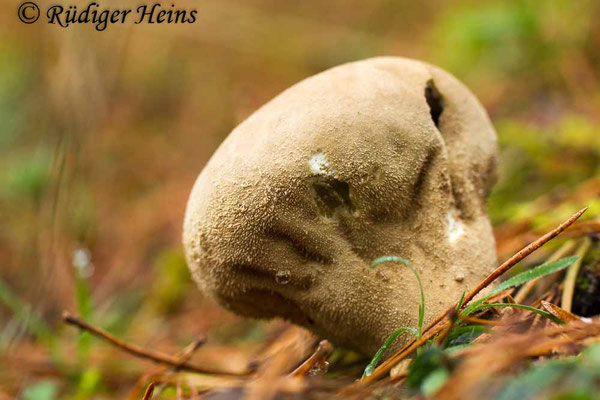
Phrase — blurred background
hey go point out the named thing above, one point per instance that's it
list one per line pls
(102, 135)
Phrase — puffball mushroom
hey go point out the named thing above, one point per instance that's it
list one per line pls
(385, 156)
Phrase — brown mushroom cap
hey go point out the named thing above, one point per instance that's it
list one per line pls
(386, 156)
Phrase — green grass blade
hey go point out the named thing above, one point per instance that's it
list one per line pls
(371, 367)
(534, 273)
(464, 330)
(460, 302)
(470, 309)
(404, 261)
(523, 307)
(83, 298)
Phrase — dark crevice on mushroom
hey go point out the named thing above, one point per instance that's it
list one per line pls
(273, 304)
(349, 234)
(421, 184)
(435, 101)
(331, 194)
(301, 249)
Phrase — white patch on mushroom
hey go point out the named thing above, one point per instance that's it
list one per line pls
(455, 228)
(319, 165)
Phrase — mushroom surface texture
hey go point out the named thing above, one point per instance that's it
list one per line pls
(385, 156)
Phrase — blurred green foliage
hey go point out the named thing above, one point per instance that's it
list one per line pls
(522, 40)
(573, 378)
(27, 178)
(42, 390)
(537, 161)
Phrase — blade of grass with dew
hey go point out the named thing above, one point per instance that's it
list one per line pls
(523, 307)
(404, 261)
(89, 376)
(83, 297)
(519, 279)
(371, 367)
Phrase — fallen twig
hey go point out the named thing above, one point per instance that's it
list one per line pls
(149, 391)
(162, 358)
(186, 354)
